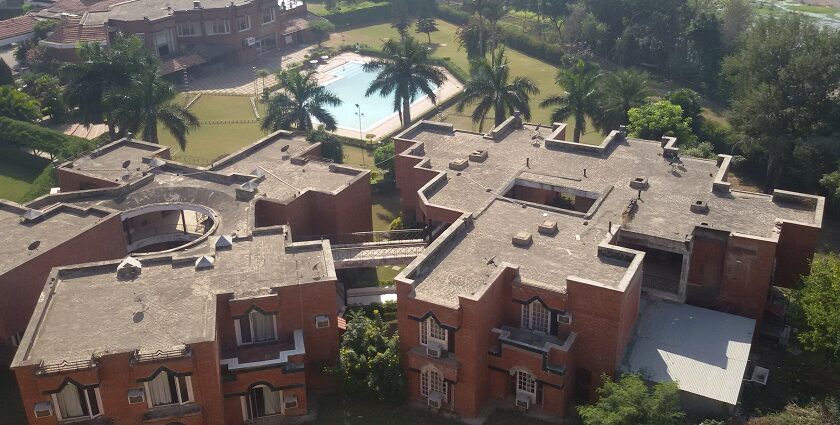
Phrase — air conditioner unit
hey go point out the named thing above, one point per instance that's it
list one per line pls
(290, 402)
(523, 401)
(251, 41)
(434, 351)
(43, 409)
(564, 319)
(435, 400)
(136, 395)
(760, 375)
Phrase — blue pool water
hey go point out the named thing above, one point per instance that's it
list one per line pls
(350, 85)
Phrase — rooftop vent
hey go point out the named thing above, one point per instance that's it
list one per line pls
(224, 242)
(257, 172)
(639, 183)
(478, 155)
(156, 162)
(523, 239)
(548, 227)
(32, 214)
(129, 268)
(204, 262)
(699, 207)
(196, 4)
(459, 164)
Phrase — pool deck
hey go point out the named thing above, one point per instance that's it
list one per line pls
(449, 88)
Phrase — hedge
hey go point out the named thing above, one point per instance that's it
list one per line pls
(41, 185)
(375, 13)
(42, 139)
(511, 35)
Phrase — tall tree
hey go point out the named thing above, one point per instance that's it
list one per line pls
(785, 80)
(404, 72)
(19, 106)
(819, 301)
(6, 77)
(492, 88)
(736, 19)
(426, 26)
(581, 98)
(629, 401)
(477, 8)
(369, 359)
(300, 100)
(148, 100)
(47, 89)
(400, 17)
(620, 91)
(494, 11)
(654, 120)
(321, 28)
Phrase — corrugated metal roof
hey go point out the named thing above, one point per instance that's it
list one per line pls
(704, 351)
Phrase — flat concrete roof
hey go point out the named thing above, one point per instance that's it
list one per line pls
(464, 265)
(704, 351)
(22, 240)
(118, 162)
(89, 310)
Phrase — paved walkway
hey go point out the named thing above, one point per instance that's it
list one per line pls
(240, 80)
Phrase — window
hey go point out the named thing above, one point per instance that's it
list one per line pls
(268, 16)
(432, 332)
(431, 381)
(256, 327)
(189, 29)
(136, 396)
(217, 26)
(526, 383)
(167, 388)
(536, 317)
(75, 402)
(244, 23)
(261, 401)
(322, 322)
(164, 42)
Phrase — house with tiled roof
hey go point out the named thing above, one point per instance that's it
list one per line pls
(17, 29)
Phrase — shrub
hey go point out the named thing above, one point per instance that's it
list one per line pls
(41, 185)
(330, 145)
(361, 14)
(58, 145)
(369, 359)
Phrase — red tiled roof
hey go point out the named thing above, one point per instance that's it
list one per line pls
(17, 26)
(177, 64)
(79, 7)
(71, 31)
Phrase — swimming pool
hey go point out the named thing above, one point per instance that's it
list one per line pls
(350, 83)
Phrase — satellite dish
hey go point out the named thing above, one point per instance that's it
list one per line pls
(284, 148)
(126, 164)
(34, 245)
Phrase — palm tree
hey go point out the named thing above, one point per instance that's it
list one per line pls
(620, 91)
(492, 88)
(147, 100)
(494, 11)
(299, 100)
(581, 98)
(404, 72)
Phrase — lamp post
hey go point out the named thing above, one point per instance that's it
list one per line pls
(255, 81)
(361, 139)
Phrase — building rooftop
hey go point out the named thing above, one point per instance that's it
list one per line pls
(17, 26)
(170, 302)
(22, 239)
(704, 351)
(118, 162)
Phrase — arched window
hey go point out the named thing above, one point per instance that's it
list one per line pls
(432, 332)
(256, 326)
(73, 402)
(262, 401)
(536, 317)
(431, 381)
(168, 388)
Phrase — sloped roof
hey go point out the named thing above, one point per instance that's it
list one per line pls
(18, 26)
(71, 31)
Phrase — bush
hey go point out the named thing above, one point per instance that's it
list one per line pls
(361, 14)
(58, 145)
(41, 185)
(369, 359)
(330, 145)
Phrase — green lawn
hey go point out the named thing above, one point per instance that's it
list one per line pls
(223, 108)
(445, 45)
(17, 172)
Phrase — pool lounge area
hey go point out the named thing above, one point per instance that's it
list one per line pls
(344, 75)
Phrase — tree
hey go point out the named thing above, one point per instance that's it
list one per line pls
(6, 77)
(47, 90)
(689, 101)
(581, 98)
(404, 72)
(331, 147)
(783, 77)
(654, 120)
(629, 401)
(383, 157)
(620, 91)
(300, 99)
(321, 28)
(19, 106)
(262, 73)
(819, 301)
(400, 17)
(736, 19)
(492, 88)
(369, 359)
(148, 100)
(477, 8)
(426, 26)
(494, 11)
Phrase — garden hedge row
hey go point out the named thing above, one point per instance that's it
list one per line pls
(375, 13)
(57, 144)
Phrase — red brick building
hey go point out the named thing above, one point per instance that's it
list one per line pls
(220, 313)
(533, 290)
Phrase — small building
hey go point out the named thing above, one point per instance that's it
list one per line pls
(16, 30)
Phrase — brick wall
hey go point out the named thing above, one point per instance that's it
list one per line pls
(794, 253)
(747, 275)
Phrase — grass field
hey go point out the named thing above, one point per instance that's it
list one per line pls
(17, 172)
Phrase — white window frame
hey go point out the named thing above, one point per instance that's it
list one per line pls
(429, 385)
(181, 400)
(272, 12)
(192, 25)
(244, 402)
(210, 26)
(247, 20)
(526, 383)
(238, 329)
(143, 395)
(535, 315)
(322, 319)
(428, 329)
(57, 407)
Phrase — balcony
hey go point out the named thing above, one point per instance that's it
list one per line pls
(532, 341)
(171, 411)
(275, 354)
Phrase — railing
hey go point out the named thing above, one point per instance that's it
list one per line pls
(161, 354)
(370, 252)
(65, 366)
(378, 236)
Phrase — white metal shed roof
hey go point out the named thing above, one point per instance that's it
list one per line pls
(704, 351)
